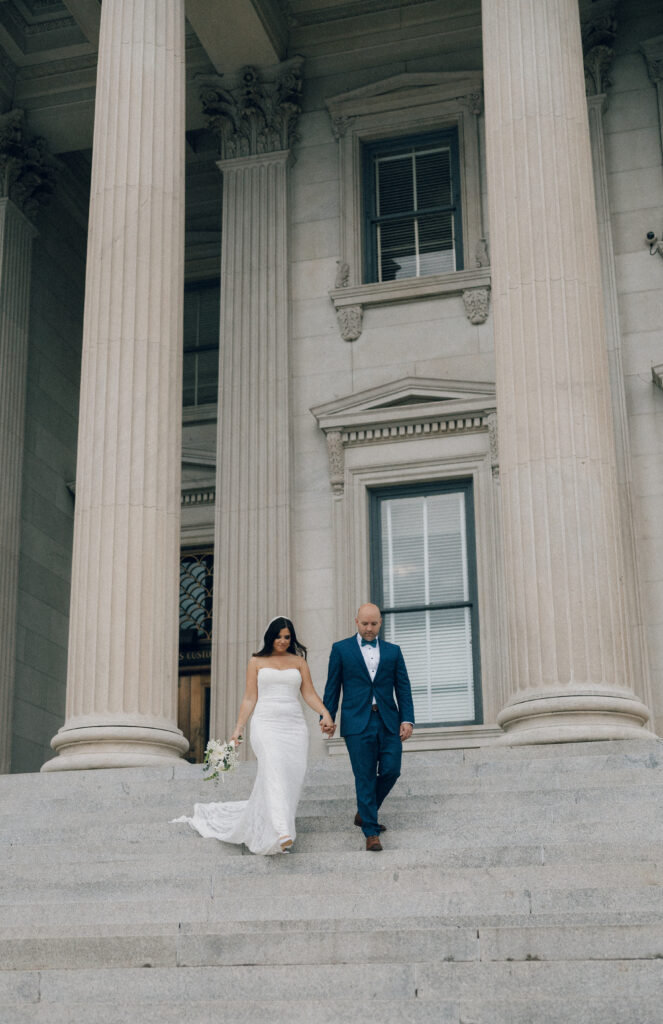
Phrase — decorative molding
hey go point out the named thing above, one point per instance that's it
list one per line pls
(197, 496)
(350, 319)
(491, 421)
(598, 62)
(350, 301)
(403, 410)
(254, 112)
(336, 456)
(27, 170)
(481, 256)
(599, 30)
(476, 304)
(340, 126)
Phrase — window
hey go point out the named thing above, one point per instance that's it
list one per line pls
(412, 207)
(196, 589)
(424, 580)
(201, 343)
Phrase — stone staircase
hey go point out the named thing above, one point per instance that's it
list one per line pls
(517, 886)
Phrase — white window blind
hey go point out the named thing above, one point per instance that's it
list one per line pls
(414, 207)
(423, 549)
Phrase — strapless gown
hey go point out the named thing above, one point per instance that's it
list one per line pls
(279, 739)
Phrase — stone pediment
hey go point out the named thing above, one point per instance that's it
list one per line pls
(405, 90)
(405, 402)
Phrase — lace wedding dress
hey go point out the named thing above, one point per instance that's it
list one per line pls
(279, 738)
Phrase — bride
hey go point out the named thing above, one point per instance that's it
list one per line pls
(279, 738)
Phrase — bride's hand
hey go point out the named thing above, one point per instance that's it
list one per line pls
(327, 724)
(236, 737)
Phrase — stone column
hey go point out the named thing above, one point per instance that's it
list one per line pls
(254, 117)
(570, 663)
(122, 675)
(26, 176)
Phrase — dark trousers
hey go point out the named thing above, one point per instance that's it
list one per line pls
(375, 756)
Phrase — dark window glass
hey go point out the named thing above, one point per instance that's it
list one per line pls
(412, 207)
(201, 343)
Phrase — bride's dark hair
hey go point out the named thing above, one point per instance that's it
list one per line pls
(271, 633)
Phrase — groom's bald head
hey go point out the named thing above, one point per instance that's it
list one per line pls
(368, 621)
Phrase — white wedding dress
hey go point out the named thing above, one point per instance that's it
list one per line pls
(279, 738)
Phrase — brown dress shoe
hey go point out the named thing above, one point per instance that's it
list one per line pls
(373, 844)
(359, 823)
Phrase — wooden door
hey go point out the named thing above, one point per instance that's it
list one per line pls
(193, 712)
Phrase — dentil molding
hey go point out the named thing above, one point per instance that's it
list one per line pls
(404, 410)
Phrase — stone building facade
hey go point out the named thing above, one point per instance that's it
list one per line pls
(411, 252)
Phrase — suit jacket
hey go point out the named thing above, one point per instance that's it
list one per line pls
(347, 674)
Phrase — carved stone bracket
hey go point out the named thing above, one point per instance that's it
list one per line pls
(336, 454)
(476, 301)
(350, 319)
(27, 170)
(256, 111)
(491, 422)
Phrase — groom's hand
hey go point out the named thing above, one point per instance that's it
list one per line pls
(406, 731)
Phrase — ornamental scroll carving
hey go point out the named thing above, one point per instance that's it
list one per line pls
(350, 320)
(336, 455)
(476, 301)
(27, 169)
(256, 112)
(599, 31)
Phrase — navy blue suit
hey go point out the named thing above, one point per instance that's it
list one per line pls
(372, 738)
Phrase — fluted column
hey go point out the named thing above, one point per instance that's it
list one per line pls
(122, 673)
(26, 177)
(255, 118)
(570, 664)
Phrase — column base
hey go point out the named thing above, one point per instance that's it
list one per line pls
(115, 746)
(564, 717)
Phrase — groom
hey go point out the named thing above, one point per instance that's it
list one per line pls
(377, 714)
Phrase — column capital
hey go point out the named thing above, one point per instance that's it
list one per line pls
(599, 29)
(652, 50)
(255, 111)
(27, 169)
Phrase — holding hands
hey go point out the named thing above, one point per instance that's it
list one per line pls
(327, 724)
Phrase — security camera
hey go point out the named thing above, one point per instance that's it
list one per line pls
(651, 237)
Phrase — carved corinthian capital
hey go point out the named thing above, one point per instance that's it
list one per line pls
(256, 111)
(599, 29)
(27, 170)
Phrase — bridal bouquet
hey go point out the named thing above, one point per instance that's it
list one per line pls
(219, 757)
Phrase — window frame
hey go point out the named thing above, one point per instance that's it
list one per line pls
(204, 284)
(370, 218)
(376, 495)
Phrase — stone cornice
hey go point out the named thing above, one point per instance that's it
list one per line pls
(256, 111)
(405, 410)
(27, 170)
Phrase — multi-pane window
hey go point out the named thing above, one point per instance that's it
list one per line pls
(196, 592)
(412, 207)
(201, 343)
(424, 580)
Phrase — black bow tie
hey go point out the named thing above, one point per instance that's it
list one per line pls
(369, 643)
